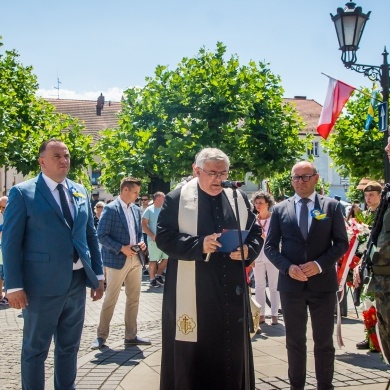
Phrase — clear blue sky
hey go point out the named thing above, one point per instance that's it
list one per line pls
(101, 45)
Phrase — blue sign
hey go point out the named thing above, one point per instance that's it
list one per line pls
(383, 116)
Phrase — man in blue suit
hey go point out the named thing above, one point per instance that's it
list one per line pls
(306, 237)
(50, 254)
(120, 234)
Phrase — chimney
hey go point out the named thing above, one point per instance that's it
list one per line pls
(100, 105)
(300, 97)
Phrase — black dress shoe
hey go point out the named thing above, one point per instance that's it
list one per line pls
(363, 345)
(137, 341)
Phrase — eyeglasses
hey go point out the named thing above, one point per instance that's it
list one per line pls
(304, 178)
(215, 175)
(99, 207)
(144, 200)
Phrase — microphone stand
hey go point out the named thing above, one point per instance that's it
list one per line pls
(247, 318)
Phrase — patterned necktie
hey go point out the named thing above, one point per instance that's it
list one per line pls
(65, 206)
(67, 215)
(304, 217)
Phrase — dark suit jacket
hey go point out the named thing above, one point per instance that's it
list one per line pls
(113, 233)
(38, 244)
(326, 242)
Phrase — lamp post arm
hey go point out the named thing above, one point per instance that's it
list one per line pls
(371, 71)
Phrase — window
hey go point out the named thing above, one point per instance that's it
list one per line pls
(314, 150)
(96, 173)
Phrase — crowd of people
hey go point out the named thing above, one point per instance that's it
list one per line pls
(292, 246)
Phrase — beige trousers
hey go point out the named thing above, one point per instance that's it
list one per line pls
(130, 274)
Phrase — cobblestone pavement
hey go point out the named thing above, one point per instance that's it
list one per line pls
(118, 367)
(149, 324)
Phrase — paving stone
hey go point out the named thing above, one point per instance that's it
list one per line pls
(105, 369)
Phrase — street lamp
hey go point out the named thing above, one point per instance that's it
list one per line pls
(349, 23)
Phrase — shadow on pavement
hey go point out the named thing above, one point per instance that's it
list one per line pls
(126, 356)
(370, 360)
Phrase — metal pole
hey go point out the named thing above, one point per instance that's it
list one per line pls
(385, 93)
(245, 302)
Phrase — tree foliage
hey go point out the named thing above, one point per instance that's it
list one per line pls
(280, 185)
(26, 121)
(206, 101)
(356, 153)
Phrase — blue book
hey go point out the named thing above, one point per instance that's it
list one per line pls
(229, 240)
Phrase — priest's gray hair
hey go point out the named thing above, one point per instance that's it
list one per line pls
(211, 154)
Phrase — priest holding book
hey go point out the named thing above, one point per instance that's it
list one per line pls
(202, 329)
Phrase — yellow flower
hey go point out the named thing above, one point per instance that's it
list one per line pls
(75, 193)
(317, 214)
(78, 195)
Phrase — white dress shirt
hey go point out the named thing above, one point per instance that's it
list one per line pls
(56, 195)
(310, 207)
(128, 211)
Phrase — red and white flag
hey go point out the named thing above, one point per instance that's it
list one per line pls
(336, 97)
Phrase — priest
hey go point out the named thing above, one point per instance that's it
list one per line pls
(202, 328)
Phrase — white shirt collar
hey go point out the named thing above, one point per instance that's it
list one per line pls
(53, 184)
(123, 204)
(312, 197)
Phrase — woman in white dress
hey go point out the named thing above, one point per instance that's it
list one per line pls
(263, 268)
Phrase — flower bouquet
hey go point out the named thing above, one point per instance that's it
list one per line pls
(358, 234)
(370, 320)
(356, 227)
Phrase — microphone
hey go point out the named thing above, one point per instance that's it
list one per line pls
(232, 184)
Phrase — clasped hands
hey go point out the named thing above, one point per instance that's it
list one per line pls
(303, 272)
(211, 244)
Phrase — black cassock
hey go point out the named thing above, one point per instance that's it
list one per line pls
(216, 360)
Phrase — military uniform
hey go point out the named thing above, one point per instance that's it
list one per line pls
(380, 284)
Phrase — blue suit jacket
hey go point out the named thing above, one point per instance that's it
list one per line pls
(113, 233)
(38, 244)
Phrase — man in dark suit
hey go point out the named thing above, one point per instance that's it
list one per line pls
(119, 230)
(50, 253)
(306, 237)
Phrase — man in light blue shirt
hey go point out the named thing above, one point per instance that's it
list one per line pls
(158, 259)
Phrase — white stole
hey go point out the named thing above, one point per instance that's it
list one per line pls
(186, 311)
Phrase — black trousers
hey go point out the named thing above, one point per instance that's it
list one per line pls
(295, 307)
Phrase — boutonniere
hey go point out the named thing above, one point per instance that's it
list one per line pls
(318, 214)
(76, 194)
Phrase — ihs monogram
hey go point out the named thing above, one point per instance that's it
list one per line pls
(186, 324)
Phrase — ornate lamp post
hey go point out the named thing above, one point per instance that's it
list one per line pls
(349, 23)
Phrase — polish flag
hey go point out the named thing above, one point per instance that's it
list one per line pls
(336, 97)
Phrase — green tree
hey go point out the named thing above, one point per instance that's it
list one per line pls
(206, 101)
(353, 193)
(280, 184)
(26, 121)
(356, 152)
